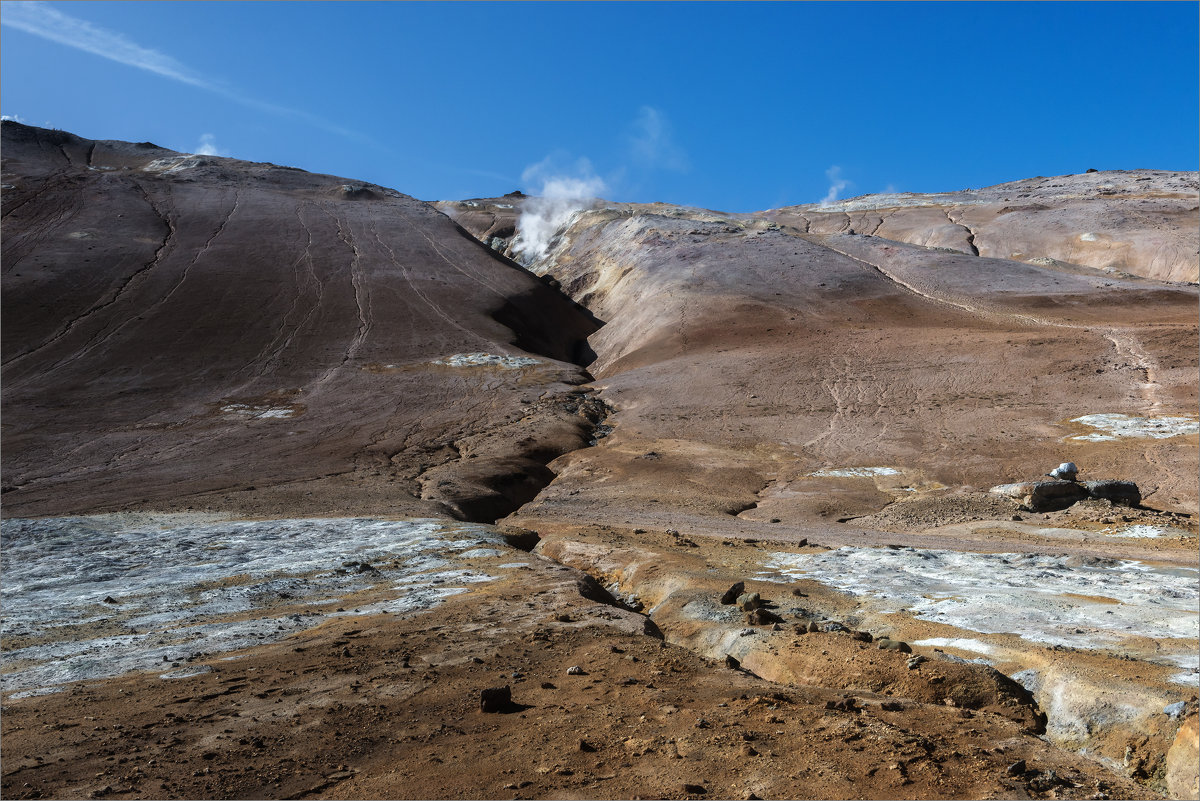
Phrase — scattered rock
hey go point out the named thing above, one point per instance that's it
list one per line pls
(732, 663)
(587, 747)
(731, 594)
(914, 661)
(845, 705)
(762, 617)
(576, 670)
(495, 699)
(694, 789)
(862, 636)
(1125, 493)
(1045, 781)
(749, 601)
(108, 599)
(894, 645)
(833, 625)
(812, 626)
(1173, 711)
(1065, 471)
(1016, 769)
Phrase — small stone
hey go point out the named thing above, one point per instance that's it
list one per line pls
(732, 663)
(576, 670)
(762, 617)
(563, 617)
(813, 627)
(862, 636)
(1065, 471)
(748, 750)
(833, 625)
(1173, 711)
(584, 745)
(108, 599)
(548, 686)
(1044, 781)
(731, 594)
(694, 789)
(703, 724)
(494, 699)
(749, 601)
(1016, 769)
(914, 661)
(894, 645)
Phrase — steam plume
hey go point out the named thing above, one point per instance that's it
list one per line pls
(836, 184)
(208, 146)
(561, 194)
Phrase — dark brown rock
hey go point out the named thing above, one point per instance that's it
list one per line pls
(495, 699)
(731, 595)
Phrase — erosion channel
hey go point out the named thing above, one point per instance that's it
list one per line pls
(302, 474)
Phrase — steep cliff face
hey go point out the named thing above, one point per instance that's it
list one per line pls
(191, 330)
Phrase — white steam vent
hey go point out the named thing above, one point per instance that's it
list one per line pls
(560, 196)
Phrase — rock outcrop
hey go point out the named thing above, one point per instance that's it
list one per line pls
(1141, 222)
(1046, 496)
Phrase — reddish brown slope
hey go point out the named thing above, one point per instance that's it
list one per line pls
(178, 326)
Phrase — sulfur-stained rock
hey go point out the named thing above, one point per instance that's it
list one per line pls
(1183, 759)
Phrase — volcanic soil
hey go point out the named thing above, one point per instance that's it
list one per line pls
(667, 402)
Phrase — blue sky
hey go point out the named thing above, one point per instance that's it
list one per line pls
(733, 106)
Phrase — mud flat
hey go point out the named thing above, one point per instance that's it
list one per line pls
(243, 679)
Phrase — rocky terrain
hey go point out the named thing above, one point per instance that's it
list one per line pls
(301, 473)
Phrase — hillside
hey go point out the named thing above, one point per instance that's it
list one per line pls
(296, 467)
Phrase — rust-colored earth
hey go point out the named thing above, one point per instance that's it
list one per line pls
(201, 354)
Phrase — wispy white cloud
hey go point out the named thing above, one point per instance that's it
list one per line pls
(208, 146)
(12, 118)
(837, 184)
(652, 143)
(42, 19)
